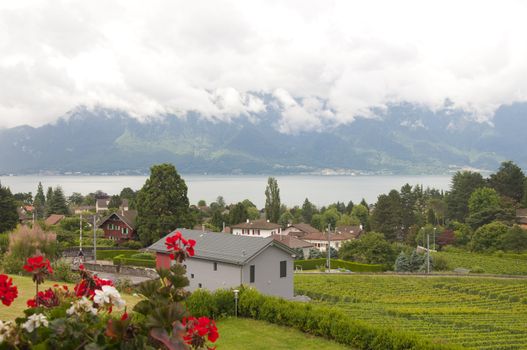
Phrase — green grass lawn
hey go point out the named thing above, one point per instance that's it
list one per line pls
(26, 290)
(242, 334)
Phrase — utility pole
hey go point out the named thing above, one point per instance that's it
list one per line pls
(435, 238)
(80, 233)
(427, 252)
(94, 240)
(328, 251)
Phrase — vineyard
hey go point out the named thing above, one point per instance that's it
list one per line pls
(477, 313)
(507, 264)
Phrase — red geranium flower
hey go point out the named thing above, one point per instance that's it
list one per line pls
(199, 328)
(39, 266)
(8, 291)
(180, 247)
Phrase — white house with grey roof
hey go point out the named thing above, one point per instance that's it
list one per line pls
(224, 260)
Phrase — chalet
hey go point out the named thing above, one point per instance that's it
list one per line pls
(300, 230)
(223, 260)
(101, 204)
(295, 243)
(320, 240)
(256, 228)
(54, 219)
(119, 226)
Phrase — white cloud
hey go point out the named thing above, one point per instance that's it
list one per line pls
(323, 61)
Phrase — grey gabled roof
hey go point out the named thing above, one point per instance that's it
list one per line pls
(224, 247)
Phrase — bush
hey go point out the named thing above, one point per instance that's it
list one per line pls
(477, 269)
(110, 254)
(123, 260)
(132, 245)
(440, 263)
(124, 285)
(62, 272)
(144, 256)
(313, 264)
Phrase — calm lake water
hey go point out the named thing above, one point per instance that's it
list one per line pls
(321, 190)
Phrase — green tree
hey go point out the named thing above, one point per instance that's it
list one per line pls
(317, 221)
(39, 202)
(307, 211)
(370, 248)
(515, 239)
(248, 204)
(202, 203)
(508, 181)
(488, 237)
(218, 219)
(408, 217)
(272, 200)
(349, 207)
(253, 213)
(58, 202)
(387, 217)
(347, 220)
(331, 216)
(76, 198)
(8, 213)
(484, 206)
(238, 214)
(115, 202)
(463, 184)
(360, 212)
(462, 232)
(48, 210)
(285, 219)
(162, 204)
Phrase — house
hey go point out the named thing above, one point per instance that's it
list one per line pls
(299, 230)
(101, 204)
(256, 228)
(119, 226)
(54, 219)
(23, 215)
(295, 243)
(521, 218)
(320, 240)
(224, 260)
(354, 231)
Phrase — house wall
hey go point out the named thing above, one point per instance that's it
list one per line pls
(201, 274)
(267, 273)
(322, 245)
(255, 232)
(162, 261)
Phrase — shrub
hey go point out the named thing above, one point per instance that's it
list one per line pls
(132, 245)
(123, 260)
(144, 256)
(440, 263)
(477, 269)
(110, 254)
(62, 272)
(201, 302)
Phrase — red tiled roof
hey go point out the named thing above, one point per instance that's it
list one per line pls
(292, 242)
(261, 224)
(54, 219)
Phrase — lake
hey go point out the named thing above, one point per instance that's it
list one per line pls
(321, 190)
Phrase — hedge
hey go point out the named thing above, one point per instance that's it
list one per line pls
(110, 254)
(319, 320)
(124, 260)
(313, 264)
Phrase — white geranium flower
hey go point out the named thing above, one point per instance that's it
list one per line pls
(35, 321)
(109, 296)
(7, 330)
(82, 306)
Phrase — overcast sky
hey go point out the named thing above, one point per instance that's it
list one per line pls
(323, 61)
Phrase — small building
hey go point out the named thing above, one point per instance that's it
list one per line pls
(54, 219)
(24, 216)
(320, 240)
(84, 209)
(119, 226)
(354, 231)
(256, 228)
(224, 260)
(101, 204)
(521, 218)
(295, 243)
(300, 230)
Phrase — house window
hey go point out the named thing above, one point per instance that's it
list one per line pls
(125, 230)
(199, 285)
(258, 232)
(283, 268)
(191, 275)
(251, 273)
(215, 266)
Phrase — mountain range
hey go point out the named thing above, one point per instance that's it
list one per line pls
(403, 139)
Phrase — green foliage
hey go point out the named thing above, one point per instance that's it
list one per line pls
(484, 206)
(62, 272)
(237, 214)
(123, 260)
(8, 213)
(146, 256)
(285, 219)
(272, 200)
(387, 216)
(4, 242)
(515, 239)
(26, 242)
(463, 184)
(162, 204)
(110, 254)
(132, 244)
(39, 202)
(361, 213)
(508, 181)
(370, 248)
(313, 264)
(115, 202)
(488, 237)
(462, 232)
(410, 263)
(57, 202)
(307, 211)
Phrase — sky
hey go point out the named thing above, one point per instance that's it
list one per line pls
(319, 62)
